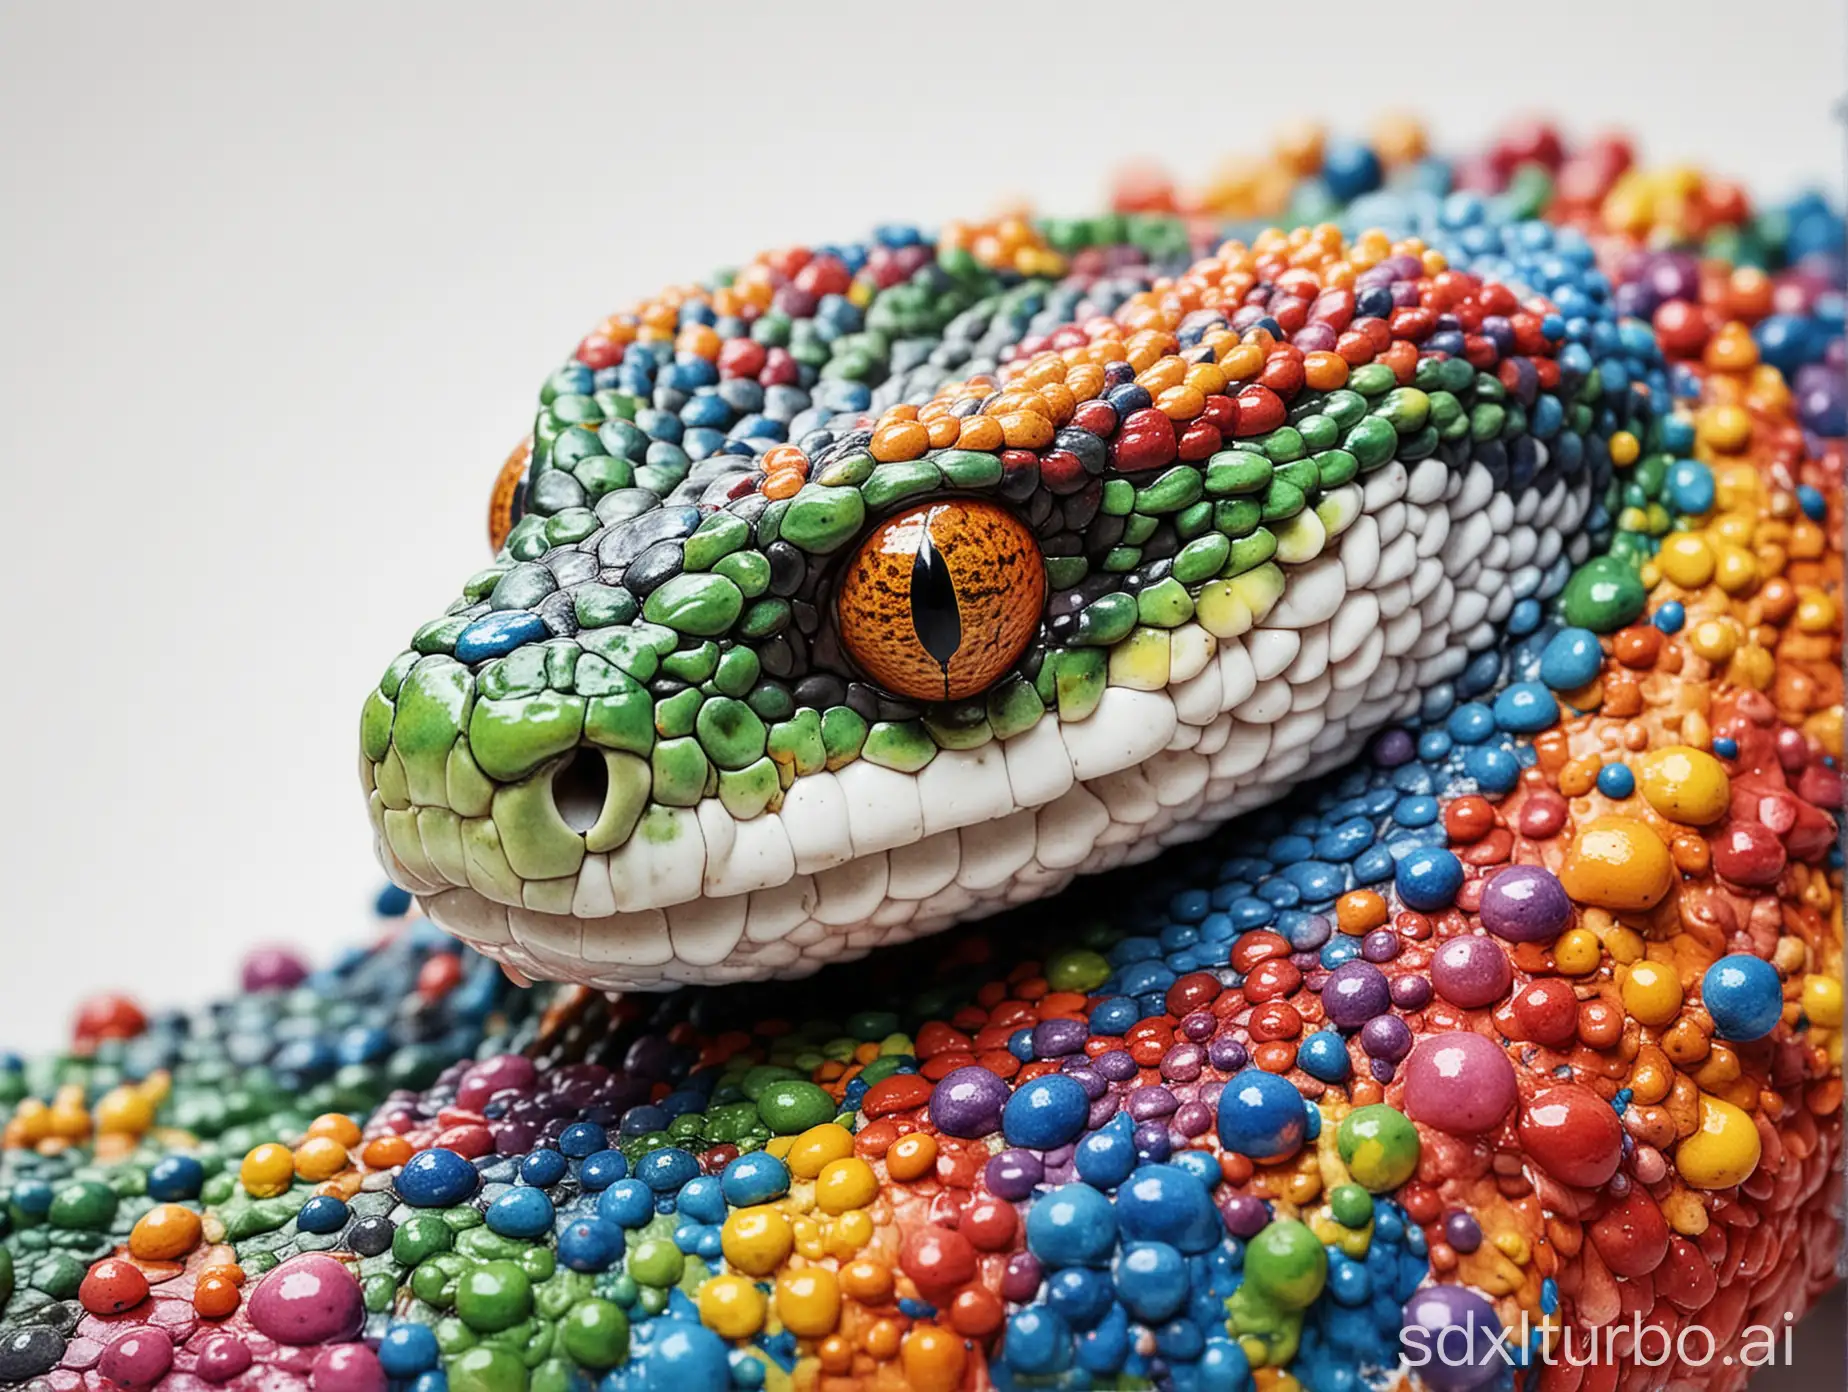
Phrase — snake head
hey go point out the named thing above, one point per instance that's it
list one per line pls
(742, 714)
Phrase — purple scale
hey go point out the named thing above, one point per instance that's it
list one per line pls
(1354, 993)
(1246, 1215)
(1462, 1232)
(1147, 1103)
(1526, 903)
(273, 969)
(1381, 945)
(1226, 1054)
(1198, 1027)
(1080, 1072)
(1381, 1070)
(1411, 992)
(1057, 1038)
(1152, 1142)
(1391, 748)
(1020, 1281)
(1101, 1111)
(1675, 277)
(1182, 1063)
(1386, 1037)
(1471, 972)
(1635, 300)
(1315, 338)
(1460, 1327)
(1193, 1119)
(514, 1137)
(967, 1103)
(1012, 1174)
(1116, 1065)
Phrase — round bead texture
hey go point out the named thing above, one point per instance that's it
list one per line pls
(1617, 863)
(309, 1299)
(1428, 878)
(1460, 1328)
(1471, 972)
(1355, 993)
(1045, 1113)
(968, 1103)
(1526, 903)
(1572, 1134)
(1461, 1083)
(1744, 995)
(436, 1178)
(1261, 1115)
(1379, 1146)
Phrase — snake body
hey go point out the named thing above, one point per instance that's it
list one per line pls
(1432, 635)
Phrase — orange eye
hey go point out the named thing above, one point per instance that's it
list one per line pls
(508, 501)
(940, 601)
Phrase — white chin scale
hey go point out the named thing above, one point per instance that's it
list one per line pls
(866, 857)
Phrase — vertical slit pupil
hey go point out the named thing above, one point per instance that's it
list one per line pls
(935, 614)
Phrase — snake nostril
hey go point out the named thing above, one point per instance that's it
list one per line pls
(580, 788)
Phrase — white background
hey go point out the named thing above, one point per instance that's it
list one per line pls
(278, 283)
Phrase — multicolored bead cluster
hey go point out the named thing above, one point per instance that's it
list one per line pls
(1528, 1020)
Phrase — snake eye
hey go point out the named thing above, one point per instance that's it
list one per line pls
(941, 600)
(507, 504)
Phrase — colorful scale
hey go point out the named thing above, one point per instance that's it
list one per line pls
(1533, 1014)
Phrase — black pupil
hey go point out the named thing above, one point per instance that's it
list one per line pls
(934, 611)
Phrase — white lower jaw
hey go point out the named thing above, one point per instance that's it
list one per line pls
(865, 857)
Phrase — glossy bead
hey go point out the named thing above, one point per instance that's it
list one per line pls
(1617, 863)
(1460, 1083)
(1744, 995)
(1572, 1134)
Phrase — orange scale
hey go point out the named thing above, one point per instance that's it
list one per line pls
(1059, 402)
(1043, 369)
(1164, 372)
(943, 431)
(881, 1338)
(896, 441)
(780, 457)
(980, 433)
(1180, 403)
(1083, 381)
(1013, 399)
(386, 1152)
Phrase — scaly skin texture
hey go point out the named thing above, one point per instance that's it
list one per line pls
(1275, 505)
(1527, 1023)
